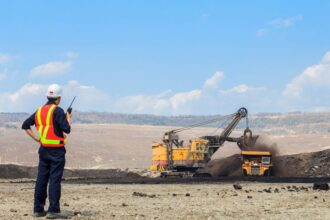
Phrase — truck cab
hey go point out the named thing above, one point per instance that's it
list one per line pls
(256, 163)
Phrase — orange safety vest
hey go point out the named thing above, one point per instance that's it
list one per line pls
(45, 127)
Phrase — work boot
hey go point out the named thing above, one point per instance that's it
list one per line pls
(59, 215)
(39, 214)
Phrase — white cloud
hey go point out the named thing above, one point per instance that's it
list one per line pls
(3, 74)
(286, 22)
(205, 16)
(5, 58)
(279, 23)
(181, 99)
(196, 101)
(164, 103)
(26, 98)
(261, 32)
(28, 89)
(326, 58)
(321, 109)
(313, 76)
(310, 90)
(209, 99)
(54, 68)
(214, 81)
(89, 98)
(171, 103)
(30, 96)
(242, 88)
(72, 54)
(156, 104)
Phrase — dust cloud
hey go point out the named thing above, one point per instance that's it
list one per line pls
(261, 143)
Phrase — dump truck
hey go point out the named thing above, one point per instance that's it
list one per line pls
(171, 155)
(256, 163)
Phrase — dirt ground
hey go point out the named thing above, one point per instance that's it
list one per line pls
(175, 201)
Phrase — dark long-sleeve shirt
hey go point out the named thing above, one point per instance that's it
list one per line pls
(59, 121)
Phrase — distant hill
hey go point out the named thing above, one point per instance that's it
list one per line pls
(317, 121)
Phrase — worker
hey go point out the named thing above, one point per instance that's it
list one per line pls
(52, 125)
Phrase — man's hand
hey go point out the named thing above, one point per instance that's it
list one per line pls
(32, 135)
(37, 139)
(68, 117)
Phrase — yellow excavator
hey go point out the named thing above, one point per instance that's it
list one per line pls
(171, 157)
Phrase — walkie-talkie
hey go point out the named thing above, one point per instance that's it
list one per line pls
(70, 107)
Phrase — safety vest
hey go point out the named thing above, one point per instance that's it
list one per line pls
(45, 127)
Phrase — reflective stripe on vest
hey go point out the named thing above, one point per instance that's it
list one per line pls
(44, 125)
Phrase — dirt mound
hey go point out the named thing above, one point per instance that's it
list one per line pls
(229, 166)
(100, 174)
(316, 164)
(10, 171)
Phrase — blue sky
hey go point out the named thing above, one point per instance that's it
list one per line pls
(167, 57)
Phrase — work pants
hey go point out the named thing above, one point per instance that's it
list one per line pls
(50, 169)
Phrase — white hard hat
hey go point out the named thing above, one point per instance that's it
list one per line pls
(54, 91)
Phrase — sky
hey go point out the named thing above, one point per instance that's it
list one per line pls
(166, 57)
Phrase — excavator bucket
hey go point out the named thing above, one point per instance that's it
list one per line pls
(247, 141)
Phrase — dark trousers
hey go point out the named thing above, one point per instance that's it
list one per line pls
(50, 169)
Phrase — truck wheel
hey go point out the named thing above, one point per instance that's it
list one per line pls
(266, 173)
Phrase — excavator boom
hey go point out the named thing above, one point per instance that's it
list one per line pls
(216, 141)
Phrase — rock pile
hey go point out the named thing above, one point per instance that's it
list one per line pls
(321, 186)
(139, 194)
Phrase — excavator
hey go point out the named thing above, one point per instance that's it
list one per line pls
(171, 157)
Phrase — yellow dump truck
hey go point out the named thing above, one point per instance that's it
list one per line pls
(256, 163)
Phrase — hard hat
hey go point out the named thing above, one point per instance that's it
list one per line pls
(54, 91)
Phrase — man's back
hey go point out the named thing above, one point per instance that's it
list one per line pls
(52, 125)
